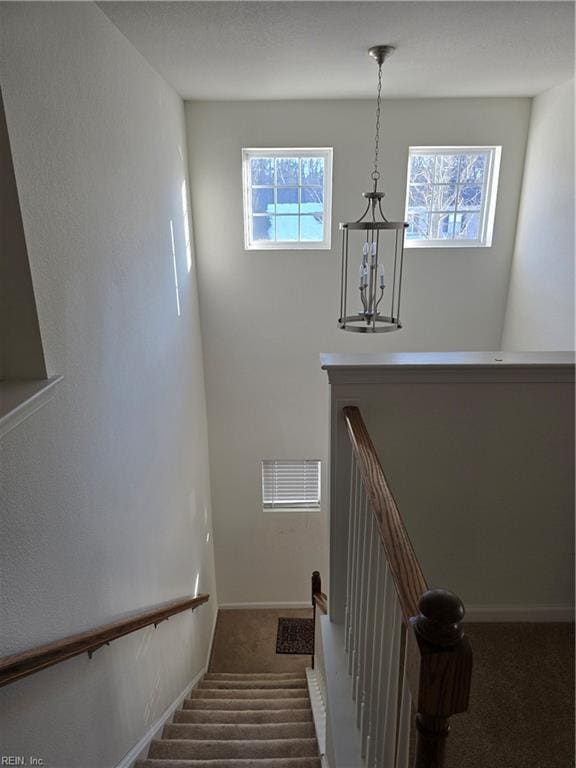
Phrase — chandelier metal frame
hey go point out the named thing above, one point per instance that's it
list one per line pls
(372, 224)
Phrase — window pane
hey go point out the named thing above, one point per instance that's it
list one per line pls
(445, 197)
(467, 226)
(472, 168)
(470, 198)
(312, 228)
(422, 169)
(287, 170)
(442, 226)
(420, 197)
(447, 168)
(312, 170)
(287, 228)
(263, 200)
(312, 200)
(280, 187)
(418, 225)
(287, 200)
(263, 228)
(262, 169)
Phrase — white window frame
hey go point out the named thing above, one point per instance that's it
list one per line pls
(294, 505)
(268, 245)
(489, 194)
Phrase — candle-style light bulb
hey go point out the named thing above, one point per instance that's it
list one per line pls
(381, 276)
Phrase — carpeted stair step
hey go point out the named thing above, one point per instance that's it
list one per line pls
(235, 731)
(238, 704)
(249, 693)
(247, 716)
(255, 676)
(239, 685)
(240, 721)
(278, 762)
(184, 749)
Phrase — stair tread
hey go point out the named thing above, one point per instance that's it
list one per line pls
(281, 683)
(236, 731)
(249, 693)
(238, 704)
(251, 762)
(254, 675)
(246, 716)
(232, 748)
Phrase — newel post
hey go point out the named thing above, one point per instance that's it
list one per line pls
(316, 589)
(316, 585)
(441, 669)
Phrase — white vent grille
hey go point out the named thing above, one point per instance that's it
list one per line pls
(291, 484)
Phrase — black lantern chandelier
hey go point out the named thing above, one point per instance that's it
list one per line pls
(380, 246)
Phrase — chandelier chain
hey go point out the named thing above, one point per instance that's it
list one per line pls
(376, 172)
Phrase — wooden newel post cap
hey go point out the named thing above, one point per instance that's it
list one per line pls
(440, 618)
(316, 584)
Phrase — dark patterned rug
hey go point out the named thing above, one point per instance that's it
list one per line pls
(295, 636)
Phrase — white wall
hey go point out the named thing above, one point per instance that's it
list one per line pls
(105, 502)
(266, 315)
(540, 313)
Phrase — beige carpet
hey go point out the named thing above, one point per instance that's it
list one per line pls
(240, 721)
(522, 707)
(245, 641)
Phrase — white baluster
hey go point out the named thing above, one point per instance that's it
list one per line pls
(385, 649)
(366, 626)
(379, 584)
(391, 718)
(361, 596)
(354, 575)
(403, 747)
(371, 613)
(351, 533)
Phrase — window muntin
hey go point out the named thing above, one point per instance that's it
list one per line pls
(451, 196)
(287, 198)
(291, 485)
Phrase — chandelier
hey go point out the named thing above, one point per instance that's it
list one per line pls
(380, 245)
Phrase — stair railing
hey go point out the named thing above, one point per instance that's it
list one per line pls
(405, 645)
(20, 665)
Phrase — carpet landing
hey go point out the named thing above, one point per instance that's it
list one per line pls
(231, 720)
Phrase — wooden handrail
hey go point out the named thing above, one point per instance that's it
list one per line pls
(438, 655)
(321, 601)
(404, 566)
(22, 664)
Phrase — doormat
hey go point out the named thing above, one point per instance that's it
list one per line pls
(295, 636)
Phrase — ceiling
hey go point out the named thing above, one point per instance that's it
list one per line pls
(310, 50)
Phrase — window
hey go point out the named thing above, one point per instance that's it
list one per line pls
(287, 198)
(291, 485)
(451, 196)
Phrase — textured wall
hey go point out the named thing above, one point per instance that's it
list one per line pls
(104, 493)
(540, 313)
(266, 315)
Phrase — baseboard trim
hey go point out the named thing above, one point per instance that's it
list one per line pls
(263, 606)
(520, 613)
(140, 750)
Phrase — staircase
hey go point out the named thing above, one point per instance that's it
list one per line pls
(240, 721)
